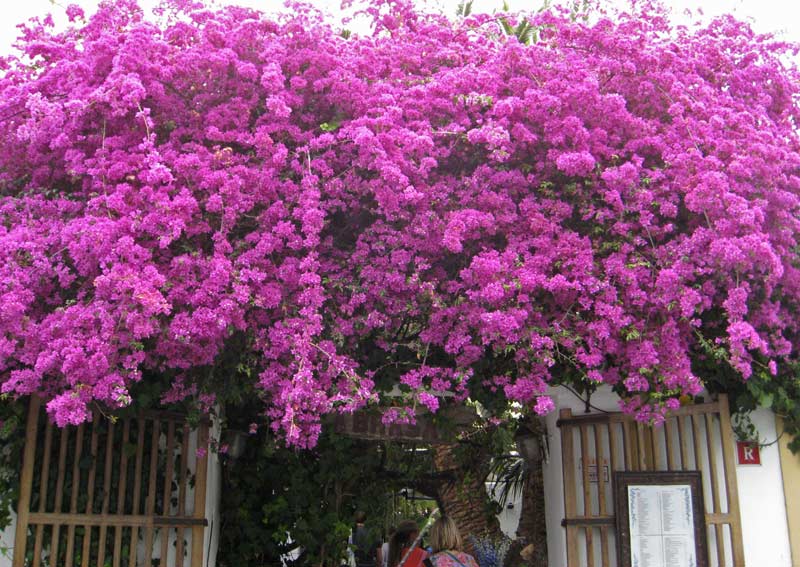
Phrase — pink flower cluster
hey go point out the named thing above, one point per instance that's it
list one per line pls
(403, 210)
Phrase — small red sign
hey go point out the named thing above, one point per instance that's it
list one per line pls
(749, 453)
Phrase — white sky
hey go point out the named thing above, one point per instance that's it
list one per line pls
(781, 16)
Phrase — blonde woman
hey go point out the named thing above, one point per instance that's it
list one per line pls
(446, 546)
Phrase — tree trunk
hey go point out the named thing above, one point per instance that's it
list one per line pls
(532, 527)
(466, 500)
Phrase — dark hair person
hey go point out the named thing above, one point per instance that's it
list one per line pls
(446, 546)
(400, 546)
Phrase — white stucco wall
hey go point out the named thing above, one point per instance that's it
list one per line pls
(761, 502)
(761, 498)
(213, 495)
(7, 542)
(509, 515)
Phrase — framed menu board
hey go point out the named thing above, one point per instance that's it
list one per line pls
(660, 519)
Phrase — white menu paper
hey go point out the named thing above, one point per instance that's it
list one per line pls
(661, 526)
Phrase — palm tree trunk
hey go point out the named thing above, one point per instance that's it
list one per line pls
(532, 527)
(466, 500)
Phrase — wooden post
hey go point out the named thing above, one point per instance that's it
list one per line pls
(731, 487)
(179, 532)
(137, 485)
(570, 502)
(48, 445)
(167, 509)
(587, 493)
(26, 482)
(683, 440)
(73, 501)
(670, 440)
(121, 490)
(59, 505)
(715, 494)
(151, 492)
(601, 486)
(201, 472)
(87, 536)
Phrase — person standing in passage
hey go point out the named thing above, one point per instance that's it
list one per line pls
(446, 546)
(363, 544)
(403, 549)
(383, 550)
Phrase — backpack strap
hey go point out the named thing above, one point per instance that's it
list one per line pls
(454, 558)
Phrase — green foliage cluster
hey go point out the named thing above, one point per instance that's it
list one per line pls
(780, 394)
(279, 499)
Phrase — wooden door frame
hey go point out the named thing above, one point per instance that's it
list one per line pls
(641, 449)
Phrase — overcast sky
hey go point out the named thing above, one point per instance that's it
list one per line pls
(766, 15)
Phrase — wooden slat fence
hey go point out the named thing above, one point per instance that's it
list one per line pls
(112, 494)
(697, 437)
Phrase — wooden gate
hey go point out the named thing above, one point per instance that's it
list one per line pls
(697, 437)
(111, 493)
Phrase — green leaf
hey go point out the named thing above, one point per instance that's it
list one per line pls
(330, 126)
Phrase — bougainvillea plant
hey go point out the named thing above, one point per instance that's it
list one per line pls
(435, 207)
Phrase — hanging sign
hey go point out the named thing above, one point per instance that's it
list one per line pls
(748, 453)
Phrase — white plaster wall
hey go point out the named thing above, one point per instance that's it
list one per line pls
(7, 542)
(761, 500)
(508, 517)
(213, 495)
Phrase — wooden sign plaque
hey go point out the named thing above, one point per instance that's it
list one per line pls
(660, 519)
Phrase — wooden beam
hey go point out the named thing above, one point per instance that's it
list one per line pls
(26, 482)
(123, 520)
(731, 485)
(200, 477)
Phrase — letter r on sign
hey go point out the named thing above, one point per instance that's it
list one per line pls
(748, 453)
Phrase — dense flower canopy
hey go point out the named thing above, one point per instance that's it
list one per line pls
(436, 205)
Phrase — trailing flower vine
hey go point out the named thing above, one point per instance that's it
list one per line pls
(437, 208)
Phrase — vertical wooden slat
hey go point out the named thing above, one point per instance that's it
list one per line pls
(640, 440)
(168, 490)
(670, 444)
(200, 477)
(151, 492)
(587, 492)
(64, 534)
(717, 503)
(631, 459)
(699, 460)
(73, 501)
(101, 553)
(137, 486)
(87, 536)
(731, 488)
(683, 442)
(570, 502)
(45, 478)
(613, 466)
(26, 482)
(122, 489)
(179, 545)
(698, 452)
(655, 433)
(601, 486)
(612, 447)
(601, 481)
(62, 461)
